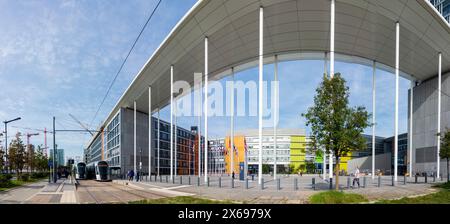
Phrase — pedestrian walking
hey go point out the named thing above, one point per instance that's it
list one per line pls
(130, 175)
(357, 174)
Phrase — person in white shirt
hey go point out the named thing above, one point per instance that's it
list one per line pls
(357, 175)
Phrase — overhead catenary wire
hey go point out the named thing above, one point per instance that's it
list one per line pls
(124, 61)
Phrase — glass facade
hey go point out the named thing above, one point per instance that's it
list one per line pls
(443, 6)
(283, 150)
(185, 144)
(216, 155)
(112, 152)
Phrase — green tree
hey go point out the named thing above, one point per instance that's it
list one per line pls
(30, 159)
(265, 168)
(41, 159)
(17, 155)
(2, 155)
(310, 167)
(335, 126)
(444, 153)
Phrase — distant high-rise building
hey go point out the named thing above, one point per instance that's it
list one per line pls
(443, 6)
(60, 161)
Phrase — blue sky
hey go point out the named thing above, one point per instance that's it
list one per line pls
(59, 57)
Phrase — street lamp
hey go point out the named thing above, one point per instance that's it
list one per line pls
(6, 142)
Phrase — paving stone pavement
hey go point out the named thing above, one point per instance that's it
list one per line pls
(287, 193)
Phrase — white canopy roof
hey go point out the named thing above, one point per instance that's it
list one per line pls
(293, 29)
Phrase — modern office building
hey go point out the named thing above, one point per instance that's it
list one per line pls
(384, 155)
(220, 38)
(379, 147)
(115, 144)
(216, 163)
(443, 7)
(402, 160)
(291, 149)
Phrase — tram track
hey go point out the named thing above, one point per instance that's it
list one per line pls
(91, 191)
(137, 190)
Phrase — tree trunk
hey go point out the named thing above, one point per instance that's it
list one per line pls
(336, 171)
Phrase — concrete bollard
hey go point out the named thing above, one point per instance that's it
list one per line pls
(207, 181)
(404, 179)
(232, 182)
(253, 177)
(415, 179)
(426, 178)
(167, 179)
(393, 181)
(313, 183)
(379, 181)
(246, 183)
(189, 180)
(364, 182)
(295, 184)
(262, 183)
(181, 180)
(348, 182)
(278, 184)
(220, 182)
(331, 183)
(198, 181)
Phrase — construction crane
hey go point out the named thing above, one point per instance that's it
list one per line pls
(28, 139)
(40, 130)
(81, 124)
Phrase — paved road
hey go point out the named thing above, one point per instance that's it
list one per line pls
(22, 194)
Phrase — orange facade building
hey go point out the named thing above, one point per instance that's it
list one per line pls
(239, 153)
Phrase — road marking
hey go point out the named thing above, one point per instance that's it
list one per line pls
(167, 191)
(68, 197)
(60, 187)
(177, 187)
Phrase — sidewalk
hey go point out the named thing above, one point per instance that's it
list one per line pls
(20, 194)
(60, 192)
